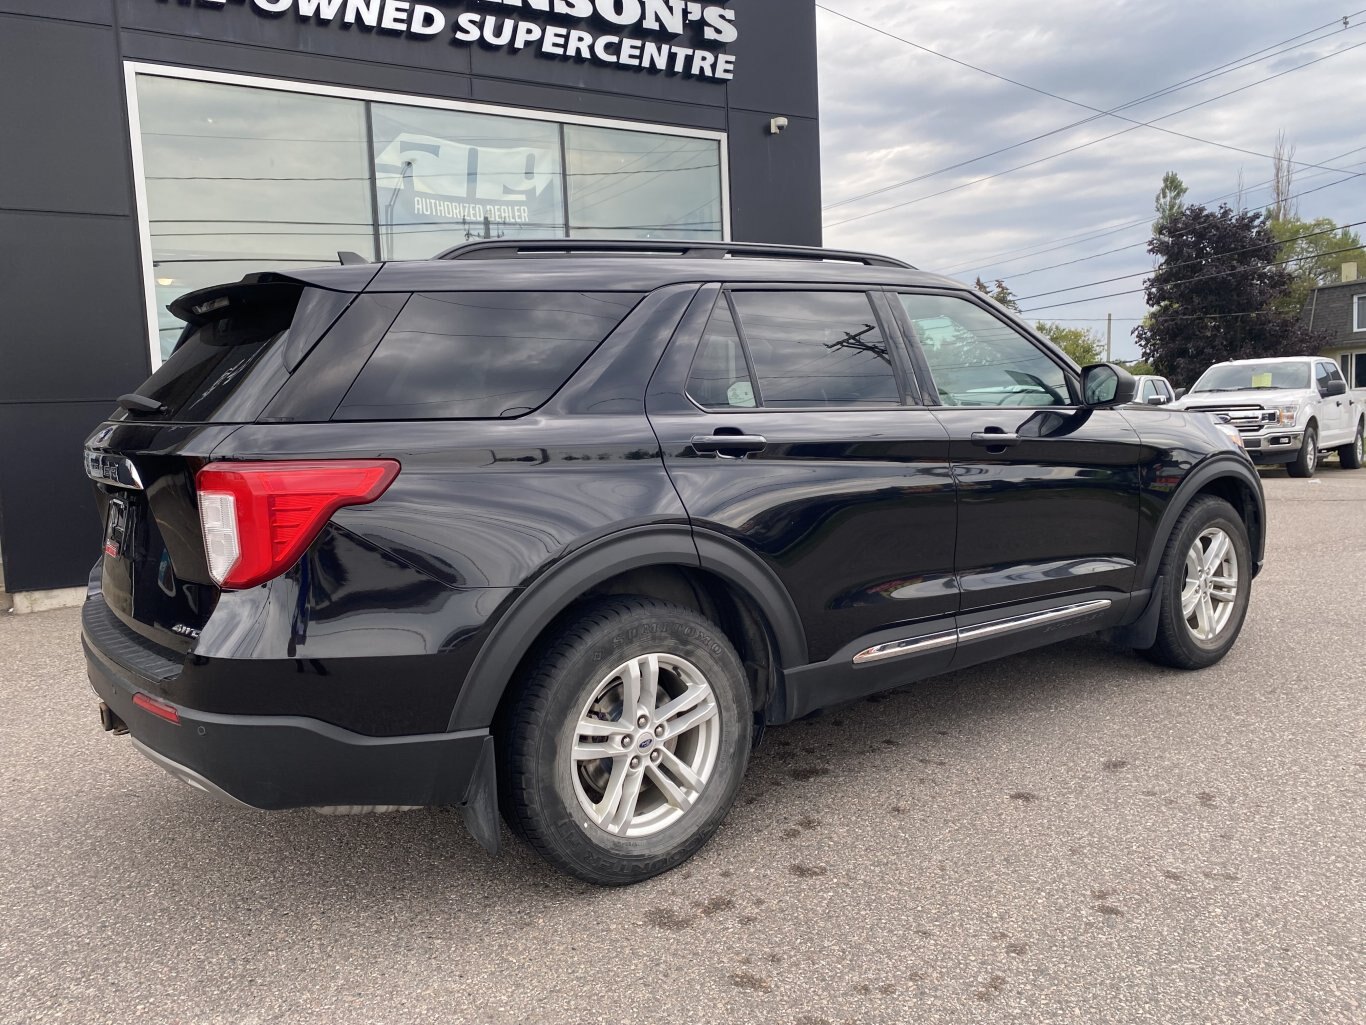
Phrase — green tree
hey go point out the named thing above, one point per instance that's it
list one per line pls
(1137, 367)
(999, 292)
(1169, 200)
(1217, 294)
(1313, 253)
(1082, 344)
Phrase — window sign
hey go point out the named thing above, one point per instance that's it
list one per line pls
(446, 177)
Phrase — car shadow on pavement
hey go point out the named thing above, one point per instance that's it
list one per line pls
(194, 846)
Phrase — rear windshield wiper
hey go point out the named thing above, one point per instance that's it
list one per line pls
(135, 403)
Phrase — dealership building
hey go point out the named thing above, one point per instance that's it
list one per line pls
(156, 146)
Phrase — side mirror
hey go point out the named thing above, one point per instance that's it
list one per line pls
(1335, 388)
(1106, 384)
(1181, 393)
(1157, 400)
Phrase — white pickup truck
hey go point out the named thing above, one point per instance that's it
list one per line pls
(1288, 410)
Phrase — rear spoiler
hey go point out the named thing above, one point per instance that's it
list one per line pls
(199, 306)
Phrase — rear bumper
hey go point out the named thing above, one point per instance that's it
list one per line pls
(276, 762)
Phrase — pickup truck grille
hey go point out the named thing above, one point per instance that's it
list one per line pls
(1248, 419)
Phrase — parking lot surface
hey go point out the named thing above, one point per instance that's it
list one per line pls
(1071, 835)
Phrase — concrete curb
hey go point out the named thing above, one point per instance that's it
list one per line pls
(23, 602)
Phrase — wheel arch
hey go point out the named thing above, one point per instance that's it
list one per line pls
(1231, 478)
(723, 580)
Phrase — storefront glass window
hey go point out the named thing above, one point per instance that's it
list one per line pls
(241, 179)
(244, 178)
(625, 184)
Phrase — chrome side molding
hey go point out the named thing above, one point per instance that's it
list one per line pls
(1005, 626)
(911, 646)
(933, 642)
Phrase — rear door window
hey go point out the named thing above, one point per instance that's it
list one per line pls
(815, 349)
(481, 355)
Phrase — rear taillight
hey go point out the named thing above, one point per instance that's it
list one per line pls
(258, 518)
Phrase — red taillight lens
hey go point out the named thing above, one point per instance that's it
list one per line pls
(157, 707)
(258, 518)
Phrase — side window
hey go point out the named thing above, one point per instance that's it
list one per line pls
(977, 360)
(1334, 374)
(476, 355)
(1167, 392)
(720, 376)
(1321, 377)
(816, 349)
(1150, 390)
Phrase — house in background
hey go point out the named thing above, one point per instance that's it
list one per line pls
(1339, 311)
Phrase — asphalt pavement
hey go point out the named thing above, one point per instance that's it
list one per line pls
(1071, 835)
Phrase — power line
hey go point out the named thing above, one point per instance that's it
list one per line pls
(1135, 245)
(1076, 238)
(1204, 76)
(1212, 256)
(1188, 281)
(1106, 138)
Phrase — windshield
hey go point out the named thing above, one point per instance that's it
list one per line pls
(1253, 377)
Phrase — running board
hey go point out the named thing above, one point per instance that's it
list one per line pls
(983, 631)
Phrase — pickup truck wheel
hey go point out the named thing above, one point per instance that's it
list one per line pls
(1350, 455)
(1207, 579)
(625, 743)
(1307, 460)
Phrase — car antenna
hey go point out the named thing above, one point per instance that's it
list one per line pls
(347, 258)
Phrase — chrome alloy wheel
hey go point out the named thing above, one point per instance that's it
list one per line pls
(645, 745)
(1312, 456)
(1209, 588)
(1360, 444)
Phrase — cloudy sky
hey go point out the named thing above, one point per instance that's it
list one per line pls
(891, 113)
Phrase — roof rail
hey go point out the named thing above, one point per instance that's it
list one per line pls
(508, 249)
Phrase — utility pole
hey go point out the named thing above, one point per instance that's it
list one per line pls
(1109, 335)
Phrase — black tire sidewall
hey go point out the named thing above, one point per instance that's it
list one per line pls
(553, 816)
(1306, 461)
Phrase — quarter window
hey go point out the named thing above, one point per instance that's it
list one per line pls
(812, 349)
(473, 355)
(978, 360)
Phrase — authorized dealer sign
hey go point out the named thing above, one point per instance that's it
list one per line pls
(682, 37)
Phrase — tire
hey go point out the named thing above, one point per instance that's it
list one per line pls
(685, 783)
(1350, 455)
(1185, 640)
(1306, 460)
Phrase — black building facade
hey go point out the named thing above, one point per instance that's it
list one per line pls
(155, 146)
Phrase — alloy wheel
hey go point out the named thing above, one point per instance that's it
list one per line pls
(645, 745)
(1209, 589)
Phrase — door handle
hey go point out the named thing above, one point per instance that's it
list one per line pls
(995, 439)
(733, 445)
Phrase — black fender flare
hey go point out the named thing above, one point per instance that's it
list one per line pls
(1223, 465)
(634, 548)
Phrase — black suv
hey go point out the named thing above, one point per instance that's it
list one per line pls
(564, 526)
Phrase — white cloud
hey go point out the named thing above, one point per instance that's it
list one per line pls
(891, 112)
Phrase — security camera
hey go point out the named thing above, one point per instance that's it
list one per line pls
(776, 125)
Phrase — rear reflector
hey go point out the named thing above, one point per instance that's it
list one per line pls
(158, 708)
(259, 518)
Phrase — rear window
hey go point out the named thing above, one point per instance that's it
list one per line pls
(481, 355)
(217, 357)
